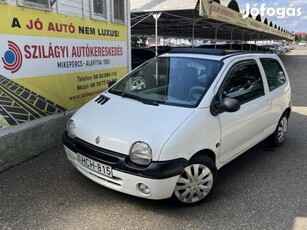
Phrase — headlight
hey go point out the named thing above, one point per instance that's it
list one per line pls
(140, 153)
(71, 129)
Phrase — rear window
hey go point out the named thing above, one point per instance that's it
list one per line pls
(274, 73)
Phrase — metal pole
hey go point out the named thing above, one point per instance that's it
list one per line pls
(193, 23)
(193, 31)
(156, 29)
(258, 39)
(250, 45)
(215, 38)
(231, 38)
(129, 36)
(156, 17)
(242, 40)
(140, 20)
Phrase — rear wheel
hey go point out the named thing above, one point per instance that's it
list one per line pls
(278, 137)
(196, 182)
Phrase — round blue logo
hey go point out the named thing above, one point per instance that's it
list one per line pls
(12, 58)
(9, 57)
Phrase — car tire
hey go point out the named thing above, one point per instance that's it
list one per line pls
(196, 182)
(278, 137)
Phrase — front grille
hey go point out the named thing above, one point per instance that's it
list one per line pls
(97, 153)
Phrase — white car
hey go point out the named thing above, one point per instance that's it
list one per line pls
(165, 129)
(287, 46)
(302, 43)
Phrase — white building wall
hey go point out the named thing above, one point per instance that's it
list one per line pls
(71, 7)
(79, 8)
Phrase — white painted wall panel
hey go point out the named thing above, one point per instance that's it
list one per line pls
(79, 8)
(86, 9)
(72, 7)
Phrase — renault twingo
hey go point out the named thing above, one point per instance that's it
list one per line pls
(165, 129)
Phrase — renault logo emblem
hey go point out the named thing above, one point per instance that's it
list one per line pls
(97, 140)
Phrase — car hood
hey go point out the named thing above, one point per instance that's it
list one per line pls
(120, 122)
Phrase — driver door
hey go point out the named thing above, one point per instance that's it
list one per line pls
(242, 129)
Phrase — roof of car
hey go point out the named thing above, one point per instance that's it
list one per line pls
(198, 51)
(217, 54)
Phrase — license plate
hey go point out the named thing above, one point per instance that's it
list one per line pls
(95, 166)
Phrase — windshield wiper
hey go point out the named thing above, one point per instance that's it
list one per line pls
(132, 96)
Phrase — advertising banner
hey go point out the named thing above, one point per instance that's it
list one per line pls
(222, 13)
(52, 62)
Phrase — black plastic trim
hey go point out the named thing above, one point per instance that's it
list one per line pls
(121, 162)
(232, 53)
(102, 99)
(207, 51)
(216, 52)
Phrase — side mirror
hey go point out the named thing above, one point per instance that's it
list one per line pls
(111, 83)
(226, 105)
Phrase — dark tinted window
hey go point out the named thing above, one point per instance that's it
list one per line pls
(100, 7)
(36, 3)
(274, 73)
(243, 82)
(119, 10)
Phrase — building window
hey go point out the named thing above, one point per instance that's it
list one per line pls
(119, 10)
(40, 4)
(99, 9)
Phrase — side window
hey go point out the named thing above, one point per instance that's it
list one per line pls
(274, 73)
(243, 82)
(99, 9)
(41, 4)
(119, 10)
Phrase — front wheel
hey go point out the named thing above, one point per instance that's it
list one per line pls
(196, 182)
(278, 137)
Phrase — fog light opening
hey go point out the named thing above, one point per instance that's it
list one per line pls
(144, 189)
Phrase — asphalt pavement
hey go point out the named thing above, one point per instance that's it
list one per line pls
(265, 188)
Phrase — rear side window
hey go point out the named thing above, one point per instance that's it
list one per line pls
(243, 82)
(274, 73)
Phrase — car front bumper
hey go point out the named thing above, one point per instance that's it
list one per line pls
(159, 177)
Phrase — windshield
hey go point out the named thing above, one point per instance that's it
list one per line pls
(177, 81)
